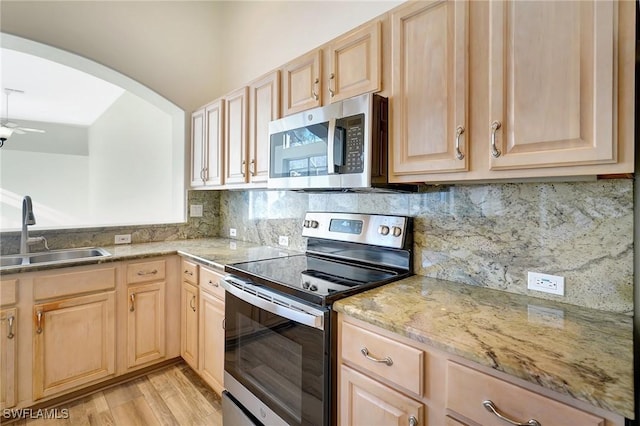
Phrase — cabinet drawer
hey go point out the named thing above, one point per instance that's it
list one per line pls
(69, 283)
(210, 282)
(145, 271)
(190, 272)
(467, 389)
(8, 292)
(407, 363)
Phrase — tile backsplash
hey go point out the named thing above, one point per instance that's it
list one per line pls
(484, 235)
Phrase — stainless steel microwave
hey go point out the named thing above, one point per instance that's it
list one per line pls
(341, 146)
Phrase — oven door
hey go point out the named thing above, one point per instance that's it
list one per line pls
(277, 357)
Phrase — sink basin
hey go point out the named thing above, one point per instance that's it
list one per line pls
(53, 256)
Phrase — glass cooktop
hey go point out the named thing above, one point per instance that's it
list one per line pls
(312, 278)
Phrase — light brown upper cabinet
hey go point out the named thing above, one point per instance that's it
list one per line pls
(264, 106)
(552, 83)
(511, 89)
(429, 42)
(302, 83)
(236, 126)
(355, 63)
(207, 144)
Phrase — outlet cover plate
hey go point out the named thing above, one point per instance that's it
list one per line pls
(122, 239)
(283, 240)
(233, 232)
(195, 210)
(545, 283)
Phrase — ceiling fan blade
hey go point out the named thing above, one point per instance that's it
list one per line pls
(29, 129)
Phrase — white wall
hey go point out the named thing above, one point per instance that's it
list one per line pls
(131, 165)
(41, 176)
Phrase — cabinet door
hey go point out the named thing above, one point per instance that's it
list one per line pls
(73, 343)
(211, 357)
(8, 367)
(429, 89)
(214, 114)
(236, 109)
(264, 106)
(189, 324)
(364, 401)
(551, 83)
(302, 83)
(356, 63)
(197, 148)
(145, 324)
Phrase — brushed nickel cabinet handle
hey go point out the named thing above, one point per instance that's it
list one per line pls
(331, 78)
(252, 167)
(10, 321)
(224, 323)
(459, 131)
(39, 316)
(494, 128)
(314, 92)
(491, 407)
(143, 273)
(387, 360)
(214, 283)
(192, 303)
(413, 421)
(188, 272)
(133, 303)
(244, 164)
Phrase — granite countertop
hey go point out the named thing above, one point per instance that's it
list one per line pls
(214, 252)
(583, 353)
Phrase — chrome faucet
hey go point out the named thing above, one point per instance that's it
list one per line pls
(28, 218)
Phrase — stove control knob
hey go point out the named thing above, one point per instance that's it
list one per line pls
(383, 230)
(314, 223)
(307, 224)
(396, 231)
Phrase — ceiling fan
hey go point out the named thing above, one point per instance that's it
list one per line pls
(8, 128)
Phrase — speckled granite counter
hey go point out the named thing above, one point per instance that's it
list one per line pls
(214, 252)
(586, 354)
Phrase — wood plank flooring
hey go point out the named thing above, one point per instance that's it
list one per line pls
(175, 395)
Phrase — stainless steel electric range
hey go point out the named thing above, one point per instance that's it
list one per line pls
(280, 338)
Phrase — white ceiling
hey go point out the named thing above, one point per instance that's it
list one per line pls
(53, 92)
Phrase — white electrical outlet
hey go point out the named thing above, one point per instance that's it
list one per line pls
(283, 240)
(122, 239)
(233, 232)
(546, 283)
(195, 210)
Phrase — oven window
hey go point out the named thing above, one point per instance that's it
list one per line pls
(278, 360)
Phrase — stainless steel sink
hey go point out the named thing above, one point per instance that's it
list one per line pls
(53, 256)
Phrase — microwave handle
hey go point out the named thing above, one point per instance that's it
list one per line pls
(331, 164)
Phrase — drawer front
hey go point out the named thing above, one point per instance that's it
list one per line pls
(406, 368)
(210, 282)
(190, 272)
(145, 271)
(8, 292)
(70, 283)
(467, 389)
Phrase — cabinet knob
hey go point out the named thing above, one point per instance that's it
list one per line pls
(413, 421)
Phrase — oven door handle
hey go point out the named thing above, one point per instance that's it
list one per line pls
(274, 302)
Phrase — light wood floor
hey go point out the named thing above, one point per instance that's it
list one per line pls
(172, 396)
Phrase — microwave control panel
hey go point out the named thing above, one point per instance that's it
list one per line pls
(352, 129)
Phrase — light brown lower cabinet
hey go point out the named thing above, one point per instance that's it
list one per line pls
(189, 312)
(8, 357)
(388, 379)
(146, 323)
(368, 402)
(211, 327)
(73, 342)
